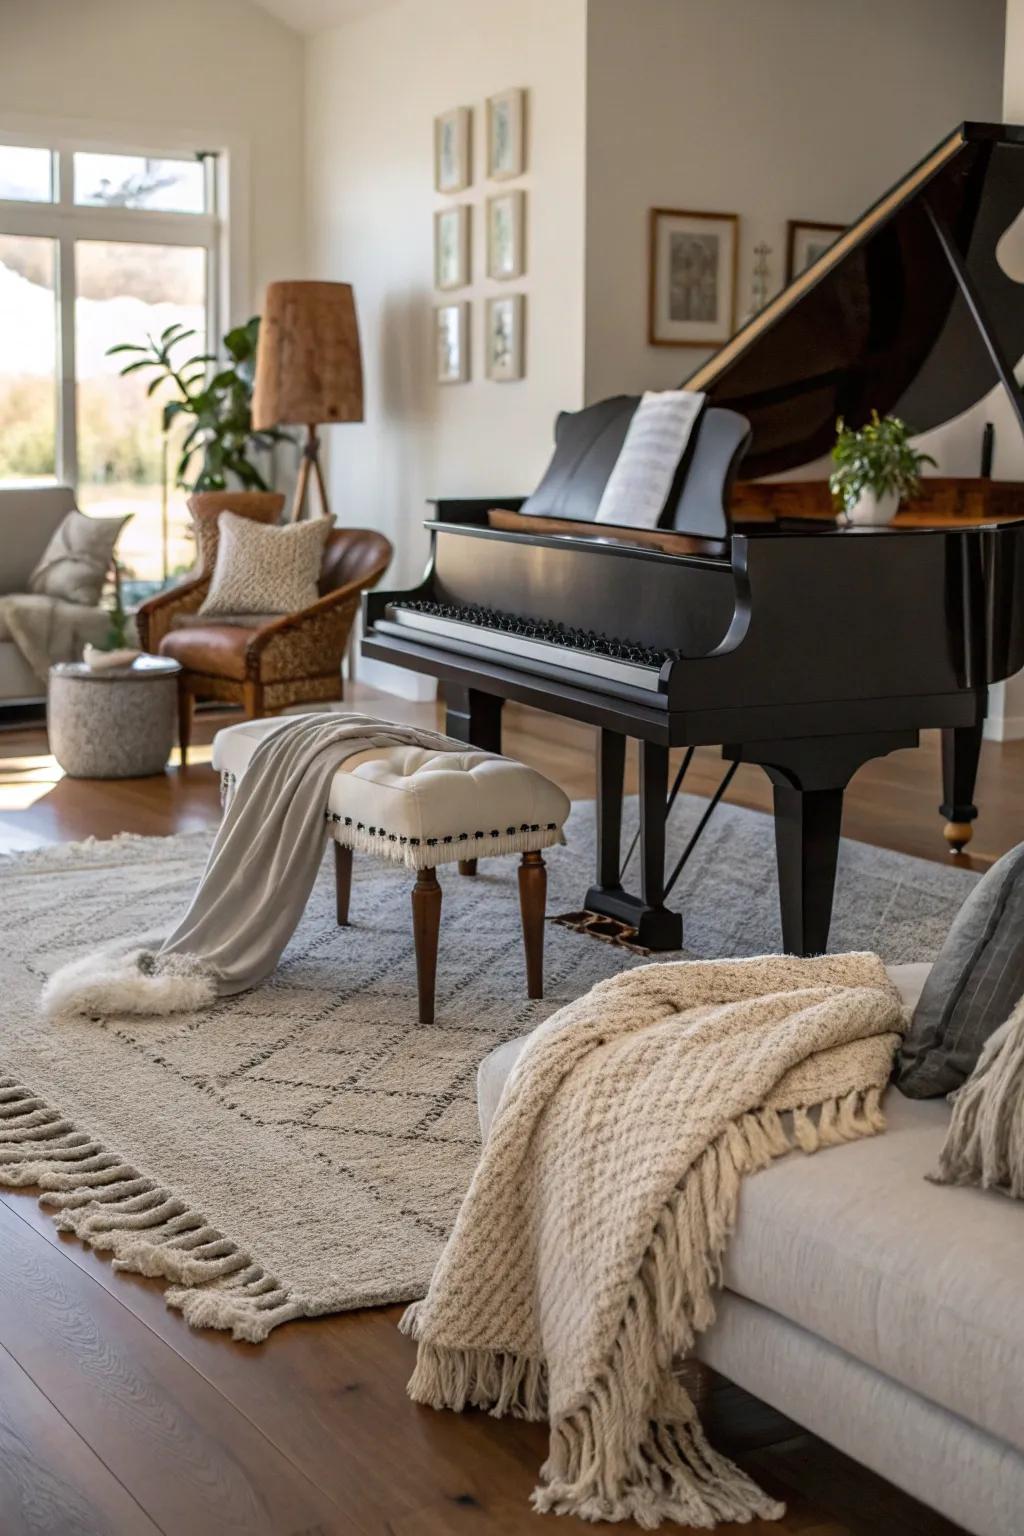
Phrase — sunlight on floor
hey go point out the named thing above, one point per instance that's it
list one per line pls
(24, 780)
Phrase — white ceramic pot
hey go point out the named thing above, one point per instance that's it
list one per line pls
(871, 511)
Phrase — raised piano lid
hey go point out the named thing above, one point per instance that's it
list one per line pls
(880, 320)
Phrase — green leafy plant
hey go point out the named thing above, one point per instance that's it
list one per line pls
(876, 457)
(220, 443)
(119, 633)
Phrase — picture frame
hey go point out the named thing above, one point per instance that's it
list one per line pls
(806, 240)
(451, 247)
(506, 134)
(504, 339)
(692, 277)
(451, 342)
(506, 216)
(453, 139)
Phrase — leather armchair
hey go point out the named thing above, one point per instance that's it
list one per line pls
(293, 658)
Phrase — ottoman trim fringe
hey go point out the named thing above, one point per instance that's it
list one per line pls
(109, 1205)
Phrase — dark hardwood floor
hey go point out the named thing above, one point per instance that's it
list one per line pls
(116, 1419)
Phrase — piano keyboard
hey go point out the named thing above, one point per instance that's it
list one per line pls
(522, 641)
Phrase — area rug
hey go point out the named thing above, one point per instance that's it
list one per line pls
(304, 1148)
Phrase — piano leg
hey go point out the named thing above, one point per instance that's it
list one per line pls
(961, 749)
(656, 926)
(473, 717)
(807, 824)
(809, 777)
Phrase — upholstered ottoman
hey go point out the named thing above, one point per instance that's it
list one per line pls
(423, 808)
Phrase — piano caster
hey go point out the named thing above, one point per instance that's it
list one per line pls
(957, 834)
(657, 928)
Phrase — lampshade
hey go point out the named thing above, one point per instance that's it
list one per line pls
(308, 365)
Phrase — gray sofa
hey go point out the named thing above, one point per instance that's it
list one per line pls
(882, 1312)
(29, 516)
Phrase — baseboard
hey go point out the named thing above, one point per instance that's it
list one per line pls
(397, 680)
(1004, 728)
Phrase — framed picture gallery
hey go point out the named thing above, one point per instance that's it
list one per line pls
(506, 215)
(692, 277)
(451, 323)
(451, 247)
(504, 340)
(506, 135)
(806, 240)
(453, 170)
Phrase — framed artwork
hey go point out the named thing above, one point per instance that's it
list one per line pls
(451, 247)
(505, 245)
(805, 242)
(503, 344)
(692, 278)
(506, 135)
(452, 342)
(452, 140)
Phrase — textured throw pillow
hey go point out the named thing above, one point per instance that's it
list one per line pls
(207, 506)
(972, 988)
(265, 569)
(77, 559)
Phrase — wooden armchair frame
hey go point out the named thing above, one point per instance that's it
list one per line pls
(292, 659)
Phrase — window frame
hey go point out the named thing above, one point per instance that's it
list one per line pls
(65, 222)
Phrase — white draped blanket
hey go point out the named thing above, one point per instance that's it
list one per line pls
(586, 1253)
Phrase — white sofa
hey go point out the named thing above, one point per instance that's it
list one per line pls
(882, 1312)
(29, 516)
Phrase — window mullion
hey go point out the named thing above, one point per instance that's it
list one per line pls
(67, 467)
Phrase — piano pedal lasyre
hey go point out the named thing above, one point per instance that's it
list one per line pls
(807, 651)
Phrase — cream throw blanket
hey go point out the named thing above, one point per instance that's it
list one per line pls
(585, 1256)
(262, 866)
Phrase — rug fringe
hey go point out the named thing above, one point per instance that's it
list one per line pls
(148, 1229)
(619, 1456)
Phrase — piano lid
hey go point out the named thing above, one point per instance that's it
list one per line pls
(908, 313)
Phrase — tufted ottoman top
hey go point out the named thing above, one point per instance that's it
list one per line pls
(421, 807)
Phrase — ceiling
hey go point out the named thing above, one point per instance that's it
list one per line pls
(317, 15)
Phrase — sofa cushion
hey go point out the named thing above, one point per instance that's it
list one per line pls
(75, 563)
(974, 985)
(29, 516)
(17, 679)
(422, 807)
(265, 569)
(920, 1281)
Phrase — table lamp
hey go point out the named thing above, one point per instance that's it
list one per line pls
(308, 369)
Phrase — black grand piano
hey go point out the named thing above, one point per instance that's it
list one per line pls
(795, 644)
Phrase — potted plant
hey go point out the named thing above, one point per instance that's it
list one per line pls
(875, 467)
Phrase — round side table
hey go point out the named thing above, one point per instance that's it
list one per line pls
(113, 725)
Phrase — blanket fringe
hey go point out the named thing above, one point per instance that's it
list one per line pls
(985, 1141)
(148, 1229)
(615, 1456)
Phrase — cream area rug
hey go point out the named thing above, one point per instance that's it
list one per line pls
(304, 1148)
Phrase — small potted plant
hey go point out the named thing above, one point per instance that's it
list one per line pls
(875, 468)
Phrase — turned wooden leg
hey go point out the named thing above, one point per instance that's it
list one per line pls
(342, 882)
(186, 705)
(533, 895)
(426, 925)
(467, 866)
(252, 699)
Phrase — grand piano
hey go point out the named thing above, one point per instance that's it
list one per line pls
(747, 619)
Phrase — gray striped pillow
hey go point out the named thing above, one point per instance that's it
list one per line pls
(973, 987)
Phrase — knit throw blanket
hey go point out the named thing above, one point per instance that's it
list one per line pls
(585, 1256)
(256, 883)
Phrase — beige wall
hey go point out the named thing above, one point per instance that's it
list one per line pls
(375, 85)
(772, 109)
(222, 69)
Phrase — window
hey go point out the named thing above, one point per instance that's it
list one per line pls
(99, 248)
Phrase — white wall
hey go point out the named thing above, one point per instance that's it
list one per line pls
(375, 85)
(220, 69)
(773, 109)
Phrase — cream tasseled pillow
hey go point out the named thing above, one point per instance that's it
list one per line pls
(265, 569)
